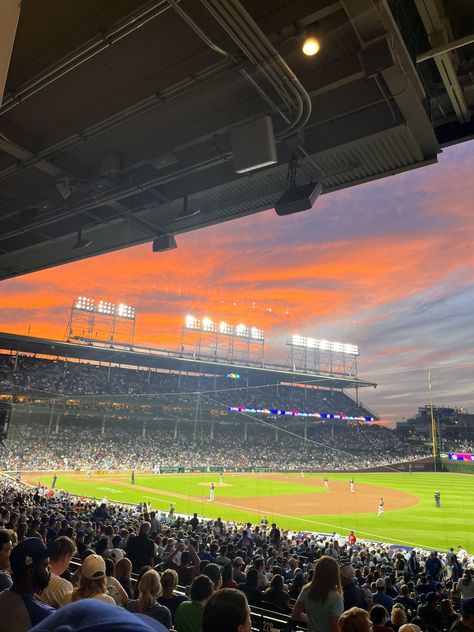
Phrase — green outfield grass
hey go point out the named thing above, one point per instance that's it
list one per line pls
(420, 525)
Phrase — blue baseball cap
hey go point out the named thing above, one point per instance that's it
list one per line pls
(27, 553)
(92, 615)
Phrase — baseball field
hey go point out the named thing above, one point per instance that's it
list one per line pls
(301, 503)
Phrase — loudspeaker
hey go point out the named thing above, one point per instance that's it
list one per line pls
(298, 199)
(253, 145)
(5, 416)
(164, 242)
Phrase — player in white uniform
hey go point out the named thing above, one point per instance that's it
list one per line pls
(326, 483)
(211, 493)
(381, 508)
(351, 485)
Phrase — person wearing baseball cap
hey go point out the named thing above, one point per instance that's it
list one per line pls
(90, 615)
(93, 582)
(353, 595)
(19, 610)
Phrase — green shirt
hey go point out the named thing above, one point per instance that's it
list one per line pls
(320, 614)
(188, 617)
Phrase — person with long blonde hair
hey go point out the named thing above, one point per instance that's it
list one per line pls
(320, 603)
(93, 582)
(149, 589)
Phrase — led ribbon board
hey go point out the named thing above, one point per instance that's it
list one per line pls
(295, 413)
(460, 457)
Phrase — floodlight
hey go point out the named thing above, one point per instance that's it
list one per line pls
(191, 322)
(240, 330)
(208, 324)
(224, 328)
(256, 334)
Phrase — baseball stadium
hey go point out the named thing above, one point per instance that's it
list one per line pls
(236, 316)
(216, 430)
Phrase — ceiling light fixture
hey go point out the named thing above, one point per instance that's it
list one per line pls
(311, 46)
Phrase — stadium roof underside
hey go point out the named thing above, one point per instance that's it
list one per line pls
(115, 120)
(167, 361)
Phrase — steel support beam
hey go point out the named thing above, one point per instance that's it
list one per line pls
(8, 23)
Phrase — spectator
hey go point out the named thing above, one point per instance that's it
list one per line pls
(380, 598)
(353, 595)
(276, 596)
(398, 616)
(147, 602)
(355, 620)
(168, 598)
(141, 548)
(378, 616)
(448, 616)
(114, 587)
(466, 585)
(252, 589)
(60, 552)
(189, 614)
(227, 611)
(19, 609)
(466, 624)
(214, 573)
(430, 613)
(5, 550)
(320, 603)
(93, 582)
(123, 572)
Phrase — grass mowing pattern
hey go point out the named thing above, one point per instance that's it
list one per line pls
(421, 525)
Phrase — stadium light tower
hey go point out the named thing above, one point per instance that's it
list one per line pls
(209, 339)
(321, 355)
(101, 322)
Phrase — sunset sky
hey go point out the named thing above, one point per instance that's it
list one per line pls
(388, 266)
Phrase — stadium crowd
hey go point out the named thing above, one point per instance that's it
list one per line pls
(133, 561)
(81, 446)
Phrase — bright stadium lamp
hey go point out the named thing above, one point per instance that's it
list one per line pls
(190, 322)
(241, 330)
(224, 328)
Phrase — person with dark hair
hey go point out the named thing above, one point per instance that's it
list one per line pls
(276, 595)
(227, 611)
(114, 587)
(378, 616)
(405, 599)
(251, 588)
(429, 611)
(141, 549)
(320, 603)
(189, 614)
(19, 609)
(466, 624)
(448, 615)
